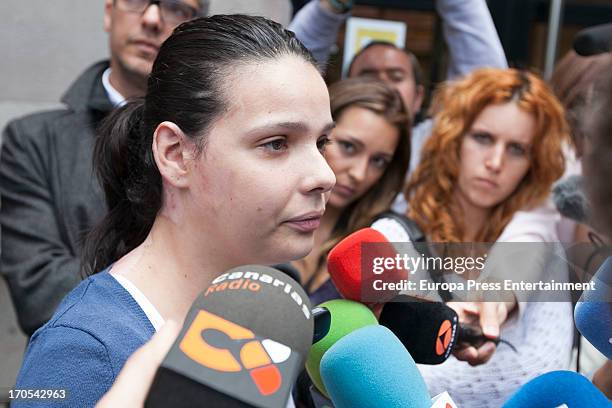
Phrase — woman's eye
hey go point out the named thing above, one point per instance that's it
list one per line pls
(517, 150)
(347, 147)
(275, 145)
(483, 138)
(380, 162)
(322, 142)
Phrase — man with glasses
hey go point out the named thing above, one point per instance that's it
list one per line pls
(50, 197)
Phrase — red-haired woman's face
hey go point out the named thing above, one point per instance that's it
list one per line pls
(495, 155)
(363, 144)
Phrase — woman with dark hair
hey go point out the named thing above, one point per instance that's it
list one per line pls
(369, 155)
(221, 164)
(495, 151)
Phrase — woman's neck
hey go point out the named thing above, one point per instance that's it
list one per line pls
(473, 218)
(170, 269)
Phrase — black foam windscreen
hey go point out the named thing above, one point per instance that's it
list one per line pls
(594, 40)
(428, 330)
(243, 344)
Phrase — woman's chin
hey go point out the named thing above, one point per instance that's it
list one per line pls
(298, 249)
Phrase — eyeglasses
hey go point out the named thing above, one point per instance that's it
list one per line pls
(171, 11)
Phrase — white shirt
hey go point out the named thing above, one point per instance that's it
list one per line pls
(145, 304)
(115, 97)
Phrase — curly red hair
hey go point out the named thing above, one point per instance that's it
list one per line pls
(456, 106)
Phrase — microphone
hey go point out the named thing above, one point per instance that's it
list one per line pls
(371, 368)
(430, 331)
(558, 388)
(411, 241)
(594, 40)
(351, 266)
(570, 199)
(243, 344)
(593, 312)
(289, 270)
(334, 319)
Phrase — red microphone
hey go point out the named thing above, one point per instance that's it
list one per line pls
(363, 267)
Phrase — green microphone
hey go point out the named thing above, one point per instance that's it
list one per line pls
(334, 320)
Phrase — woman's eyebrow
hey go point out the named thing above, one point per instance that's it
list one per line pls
(354, 140)
(298, 127)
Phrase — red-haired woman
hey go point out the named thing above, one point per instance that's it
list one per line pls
(488, 167)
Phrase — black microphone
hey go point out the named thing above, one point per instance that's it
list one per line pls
(594, 40)
(243, 344)
(430, 331)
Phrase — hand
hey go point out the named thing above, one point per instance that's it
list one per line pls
(490, 316)
(132, 385)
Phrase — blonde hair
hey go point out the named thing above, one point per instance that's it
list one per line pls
(378, 97)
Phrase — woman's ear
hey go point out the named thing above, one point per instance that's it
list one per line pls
(171, 150)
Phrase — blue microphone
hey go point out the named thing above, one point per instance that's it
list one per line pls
(371, 368)
(558, 388)
(593, 312)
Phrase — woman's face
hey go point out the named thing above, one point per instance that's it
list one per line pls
(495, 155)
(363, 144)
(261, 183)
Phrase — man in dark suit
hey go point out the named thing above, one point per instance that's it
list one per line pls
(49, 196)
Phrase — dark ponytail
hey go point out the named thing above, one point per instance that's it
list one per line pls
(131, 182)
(187, 86)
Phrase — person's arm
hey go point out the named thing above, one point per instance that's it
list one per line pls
(524, 251)
(471, 36)
(67, 360)
(316, 25)
(36, 260)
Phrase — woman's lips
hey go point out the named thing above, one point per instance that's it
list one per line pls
(305, 225)
(307, 222)
(486, 183)
(343, 191)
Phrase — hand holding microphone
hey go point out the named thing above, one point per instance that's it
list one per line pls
(431, 331)
(486, 315)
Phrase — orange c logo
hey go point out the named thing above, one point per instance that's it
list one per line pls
(444, 337)
(257, 357)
